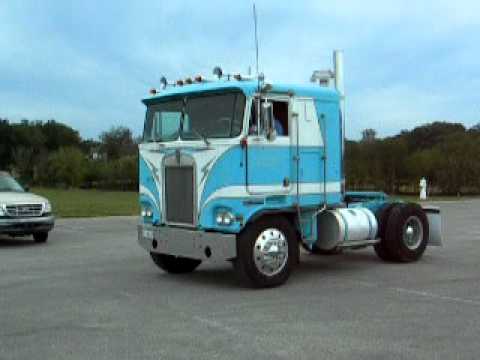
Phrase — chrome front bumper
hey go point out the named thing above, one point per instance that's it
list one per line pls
(26, 225)
(194, 244)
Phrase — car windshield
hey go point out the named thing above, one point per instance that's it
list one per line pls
(195, 116)
(7, 183)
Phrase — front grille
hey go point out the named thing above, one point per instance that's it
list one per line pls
(179, 194)
(24, 210)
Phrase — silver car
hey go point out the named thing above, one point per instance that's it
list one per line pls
(23, 213)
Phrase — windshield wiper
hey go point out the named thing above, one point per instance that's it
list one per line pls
(195, 131)
(199, 134)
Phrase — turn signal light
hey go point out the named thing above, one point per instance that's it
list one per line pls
(243, 143)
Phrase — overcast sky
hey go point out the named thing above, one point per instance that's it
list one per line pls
(89, 63)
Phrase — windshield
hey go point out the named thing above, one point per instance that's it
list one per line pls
(195, 116)
(7, 183)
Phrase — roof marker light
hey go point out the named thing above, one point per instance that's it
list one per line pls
(217, 71)
(153, 91)
(237, 77)
(198, 78)
(188, 81)
(180, 82)
(163, 81)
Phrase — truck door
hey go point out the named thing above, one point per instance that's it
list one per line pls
(268, 164)
(308, 147)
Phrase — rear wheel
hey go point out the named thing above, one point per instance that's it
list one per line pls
(267, 251)
(382, 219)
(406, 233)
(173, 264)
(40, 237)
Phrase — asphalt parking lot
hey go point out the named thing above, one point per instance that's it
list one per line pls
(92, 293)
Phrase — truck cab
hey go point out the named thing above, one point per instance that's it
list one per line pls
(243, 170)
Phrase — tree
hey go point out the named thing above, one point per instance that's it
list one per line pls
(369, 135)
(475, 128)
(59, 135)
(429, 135)
(117, 142)
(65, 167)
(6, 144)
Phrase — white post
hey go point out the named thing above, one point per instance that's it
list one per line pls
(423, 189)
(340, 86)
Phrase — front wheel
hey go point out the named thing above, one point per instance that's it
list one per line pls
(173, 264)
(267, 251)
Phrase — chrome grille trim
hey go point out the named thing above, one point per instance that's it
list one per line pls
(24, 210)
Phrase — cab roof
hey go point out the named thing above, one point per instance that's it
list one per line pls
(248, 88)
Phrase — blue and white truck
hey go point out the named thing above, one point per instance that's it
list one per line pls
(248, 171)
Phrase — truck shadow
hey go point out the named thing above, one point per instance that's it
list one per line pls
(311, 267)
(335, 264)
(216, 276)
(15, 242)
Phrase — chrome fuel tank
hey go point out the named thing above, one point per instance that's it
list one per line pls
(340, 226)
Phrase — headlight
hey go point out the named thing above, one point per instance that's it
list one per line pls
(146, 212)
(47, 207)
(225, 218)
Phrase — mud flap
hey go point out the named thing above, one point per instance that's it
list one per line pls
(435, 224)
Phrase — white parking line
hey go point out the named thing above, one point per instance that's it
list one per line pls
(216, 325)
(436, 296)
(420, 293)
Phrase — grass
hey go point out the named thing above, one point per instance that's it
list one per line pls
(90, 203)
(412, 198)
(95, 203)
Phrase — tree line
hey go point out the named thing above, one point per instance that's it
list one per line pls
(446, 154)
(53, 154)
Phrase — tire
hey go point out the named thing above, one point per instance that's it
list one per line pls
(406, 233)
(382, 219)
(40, 237)
(253, 265)
(173, 264)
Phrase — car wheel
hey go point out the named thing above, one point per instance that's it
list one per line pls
(41, 237)
(267, 251)
(173, 264)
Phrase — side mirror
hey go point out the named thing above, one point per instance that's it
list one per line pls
(268, 121)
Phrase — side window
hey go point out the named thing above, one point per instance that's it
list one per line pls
(280, 117)
(166, 125)
(162, 121)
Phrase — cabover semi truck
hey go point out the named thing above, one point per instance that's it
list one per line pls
(244, 170)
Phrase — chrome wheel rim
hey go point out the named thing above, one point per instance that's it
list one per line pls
(270, 252)
(412, 233)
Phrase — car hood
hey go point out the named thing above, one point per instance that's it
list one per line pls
(14, 198)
